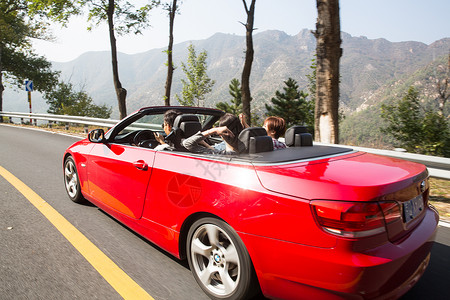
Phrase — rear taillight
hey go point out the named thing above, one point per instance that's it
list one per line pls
(391, 211)
(354, 219)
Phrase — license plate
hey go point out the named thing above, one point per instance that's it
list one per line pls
(412, 208)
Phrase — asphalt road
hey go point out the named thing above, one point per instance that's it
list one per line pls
(38, 262)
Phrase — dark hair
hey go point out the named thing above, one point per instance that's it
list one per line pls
(170, 116)
(276, 124)
(234, 125)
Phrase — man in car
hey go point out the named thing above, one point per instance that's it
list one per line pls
(169, 119)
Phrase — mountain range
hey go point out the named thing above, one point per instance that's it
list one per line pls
(370, 69)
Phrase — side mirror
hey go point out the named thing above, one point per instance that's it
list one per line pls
(97, 136)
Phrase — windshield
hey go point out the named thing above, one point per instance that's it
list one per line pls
(152, 119)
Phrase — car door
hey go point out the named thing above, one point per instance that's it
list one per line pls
(118, 176)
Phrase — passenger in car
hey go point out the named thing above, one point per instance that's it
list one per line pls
(275, 127)
(222, 145)
(169, 118)
(229, 129)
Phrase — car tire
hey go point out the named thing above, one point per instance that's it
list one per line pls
(219, 261)
(72, 181)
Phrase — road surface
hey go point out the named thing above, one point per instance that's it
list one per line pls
(38, 262)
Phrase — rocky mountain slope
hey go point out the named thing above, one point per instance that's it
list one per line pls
(369, 69)
(366, 66)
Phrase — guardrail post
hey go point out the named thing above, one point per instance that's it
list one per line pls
(67, 126)
(21, 121)
(35, 122)
(86, 129)
(49, 124)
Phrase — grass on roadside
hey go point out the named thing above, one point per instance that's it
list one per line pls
(74, 129)
(440, 197)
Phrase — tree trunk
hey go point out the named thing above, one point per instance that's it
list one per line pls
(2, 88)
(172, 12)
(329, 52)
(245, 80)
(120, 91)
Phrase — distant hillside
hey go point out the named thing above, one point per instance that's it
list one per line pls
(362, 126)
(277, 56)
(366, 65)
(369, 68)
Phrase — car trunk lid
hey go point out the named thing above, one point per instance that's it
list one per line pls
(361, 177)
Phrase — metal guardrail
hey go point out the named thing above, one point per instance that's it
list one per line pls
(71, 120)
(438, 167)
(61, 118)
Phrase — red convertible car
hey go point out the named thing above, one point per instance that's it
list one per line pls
(305, 222)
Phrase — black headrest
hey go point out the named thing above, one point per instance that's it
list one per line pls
(260, 144)
(297, 136)
(174, 138)
(254, 140)
(188, 125)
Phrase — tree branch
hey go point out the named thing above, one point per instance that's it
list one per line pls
(246, 7)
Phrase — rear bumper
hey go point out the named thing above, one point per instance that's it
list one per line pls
(293, 271)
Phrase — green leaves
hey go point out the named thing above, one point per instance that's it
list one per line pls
(415, 129)
(292, 105)
(236, 102)
(127, 17)
(64, 100)
(197, 83)
(56, 10)
(18, 24)
(21, 65)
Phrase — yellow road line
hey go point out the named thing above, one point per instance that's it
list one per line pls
(114, 275)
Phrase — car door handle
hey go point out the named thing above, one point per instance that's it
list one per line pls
(141, 165)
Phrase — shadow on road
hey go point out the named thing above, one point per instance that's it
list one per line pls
(435, 283)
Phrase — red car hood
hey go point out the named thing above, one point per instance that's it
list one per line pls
(355, 177)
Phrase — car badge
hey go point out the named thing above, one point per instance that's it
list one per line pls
(423, 186)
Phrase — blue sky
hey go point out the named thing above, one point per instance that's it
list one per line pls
(396, 20)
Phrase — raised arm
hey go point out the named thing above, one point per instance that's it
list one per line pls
(193, 143)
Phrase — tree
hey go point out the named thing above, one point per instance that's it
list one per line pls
(236, 101)
(172, 9)
(404, 120)
(329, 52)
(436, 135)
(417, 131)
(122, 17)
(198, 84)
(65, 101)
(442, 88)
(292, 106)
(18, 62)
(312, 87)
(249, 52)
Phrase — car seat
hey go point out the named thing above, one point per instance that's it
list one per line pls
(183, 127)
(297, 136)
(254, 140)
(188, 125)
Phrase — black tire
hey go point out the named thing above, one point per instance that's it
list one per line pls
(72, 181)
(219, 261)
